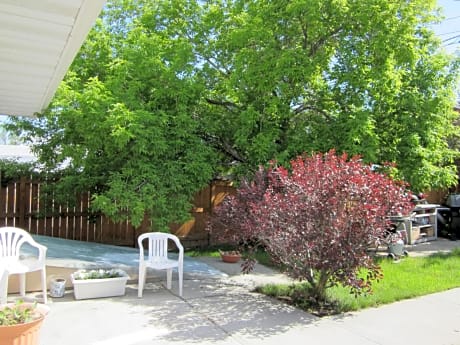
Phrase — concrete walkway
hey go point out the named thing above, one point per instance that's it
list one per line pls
(223, 310)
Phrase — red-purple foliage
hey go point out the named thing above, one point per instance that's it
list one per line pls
(316, 219)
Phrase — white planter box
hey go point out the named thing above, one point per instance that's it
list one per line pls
(97, 288)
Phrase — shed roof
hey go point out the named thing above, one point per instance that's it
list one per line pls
(19, 153)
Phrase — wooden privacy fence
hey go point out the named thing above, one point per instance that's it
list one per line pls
(21, 206)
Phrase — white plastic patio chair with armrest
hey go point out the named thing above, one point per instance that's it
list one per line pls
(11, 241)
(157, 258)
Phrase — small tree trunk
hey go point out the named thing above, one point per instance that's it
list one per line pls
(318, 288)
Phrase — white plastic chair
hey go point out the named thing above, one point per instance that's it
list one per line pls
(11, 241)
(157, 258)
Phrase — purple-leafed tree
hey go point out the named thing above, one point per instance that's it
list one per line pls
(316, 219)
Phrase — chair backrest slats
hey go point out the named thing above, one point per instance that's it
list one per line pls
(158, 248)
(158, 245)
(11, 240)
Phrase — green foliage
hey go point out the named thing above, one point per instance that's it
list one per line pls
(12, 169)
(362, 77)
(16, 314)
(122, 127)
(166, 93)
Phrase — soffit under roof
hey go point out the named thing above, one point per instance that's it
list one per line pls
(38, 41)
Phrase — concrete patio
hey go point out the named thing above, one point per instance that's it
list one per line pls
(221, 309)
(213, 313)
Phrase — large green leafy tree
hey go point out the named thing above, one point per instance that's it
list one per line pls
(166, 92)
(363, 77)
(122, 125)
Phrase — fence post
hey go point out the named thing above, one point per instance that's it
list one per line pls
(210, 209)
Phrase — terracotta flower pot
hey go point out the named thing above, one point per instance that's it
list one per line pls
(24, 333)
(230, 257)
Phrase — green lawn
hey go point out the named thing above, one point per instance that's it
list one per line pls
(407, 278)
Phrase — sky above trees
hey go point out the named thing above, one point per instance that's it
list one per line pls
(449, 28)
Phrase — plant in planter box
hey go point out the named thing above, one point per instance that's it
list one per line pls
(20, 323)
(99, 283)
(98, 274)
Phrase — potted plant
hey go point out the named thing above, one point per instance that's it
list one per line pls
(99, 283)
(20, 323)
(230, 256)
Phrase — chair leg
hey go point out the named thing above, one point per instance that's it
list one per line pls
(3, 296)
(22, 284)
(3, 287)
(168, 278)
(45, 293)
(181, 274)
(141, 282)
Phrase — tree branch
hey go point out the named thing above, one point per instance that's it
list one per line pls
(304, 107)
(224, 146)
(322, 41)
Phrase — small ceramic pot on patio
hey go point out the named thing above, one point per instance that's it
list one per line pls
(57, 286)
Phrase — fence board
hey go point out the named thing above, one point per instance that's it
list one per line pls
(11, 209)
(3, 203)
